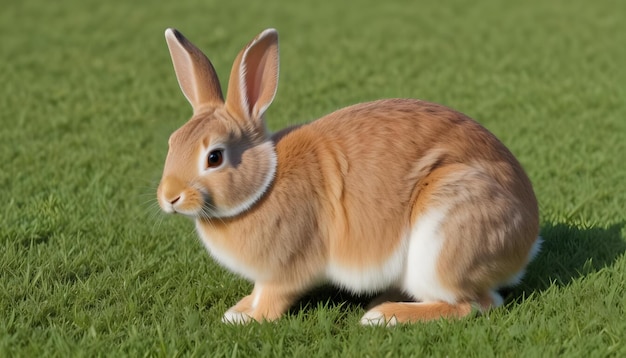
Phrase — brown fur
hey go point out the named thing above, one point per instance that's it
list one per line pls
(410, 312)
(346, 190)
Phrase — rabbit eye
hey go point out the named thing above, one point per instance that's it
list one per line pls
(215, 158)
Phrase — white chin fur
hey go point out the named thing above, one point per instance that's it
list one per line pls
(252, 199)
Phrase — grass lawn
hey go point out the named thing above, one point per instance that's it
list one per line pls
(88, 98)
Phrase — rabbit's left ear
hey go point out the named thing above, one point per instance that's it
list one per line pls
(254, 77)
(195, 73)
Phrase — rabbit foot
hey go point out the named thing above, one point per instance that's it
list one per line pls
(377, 318)
(233, 316)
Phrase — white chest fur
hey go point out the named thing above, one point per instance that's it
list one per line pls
(228, 258)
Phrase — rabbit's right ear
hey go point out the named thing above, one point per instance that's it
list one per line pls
(195, 73)
(254, 77)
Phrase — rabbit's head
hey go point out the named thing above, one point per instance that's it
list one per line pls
(221, 161)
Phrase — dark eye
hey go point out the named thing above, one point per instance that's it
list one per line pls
(215, 158)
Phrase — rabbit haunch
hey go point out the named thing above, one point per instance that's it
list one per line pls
(391, 194)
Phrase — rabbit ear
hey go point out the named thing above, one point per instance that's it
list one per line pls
(254, 77)
(195, 73)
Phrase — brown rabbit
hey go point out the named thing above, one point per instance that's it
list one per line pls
(392, 194)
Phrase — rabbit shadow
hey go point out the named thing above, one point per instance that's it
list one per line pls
(567, 253)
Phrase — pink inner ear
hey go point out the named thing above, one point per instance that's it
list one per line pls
(195, 73)
(254, 77)
(259, 78)
(255, 86)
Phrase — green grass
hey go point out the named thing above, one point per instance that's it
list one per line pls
(88, 98)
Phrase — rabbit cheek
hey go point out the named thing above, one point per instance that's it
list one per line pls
(216, 187)
(237, 188)
(231, 193)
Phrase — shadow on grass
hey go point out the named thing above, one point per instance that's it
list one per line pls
(567, 253)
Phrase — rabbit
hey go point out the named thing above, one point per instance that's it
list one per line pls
(394, 194)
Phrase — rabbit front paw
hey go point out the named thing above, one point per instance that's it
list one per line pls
(233, 316)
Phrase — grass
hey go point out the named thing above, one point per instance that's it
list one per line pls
(88, 267)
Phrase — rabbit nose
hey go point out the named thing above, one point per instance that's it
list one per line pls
(170, 191)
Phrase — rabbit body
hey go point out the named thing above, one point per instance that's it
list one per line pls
(391, 194)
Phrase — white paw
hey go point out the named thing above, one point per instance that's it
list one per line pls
(376, 318)
(235, 317)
